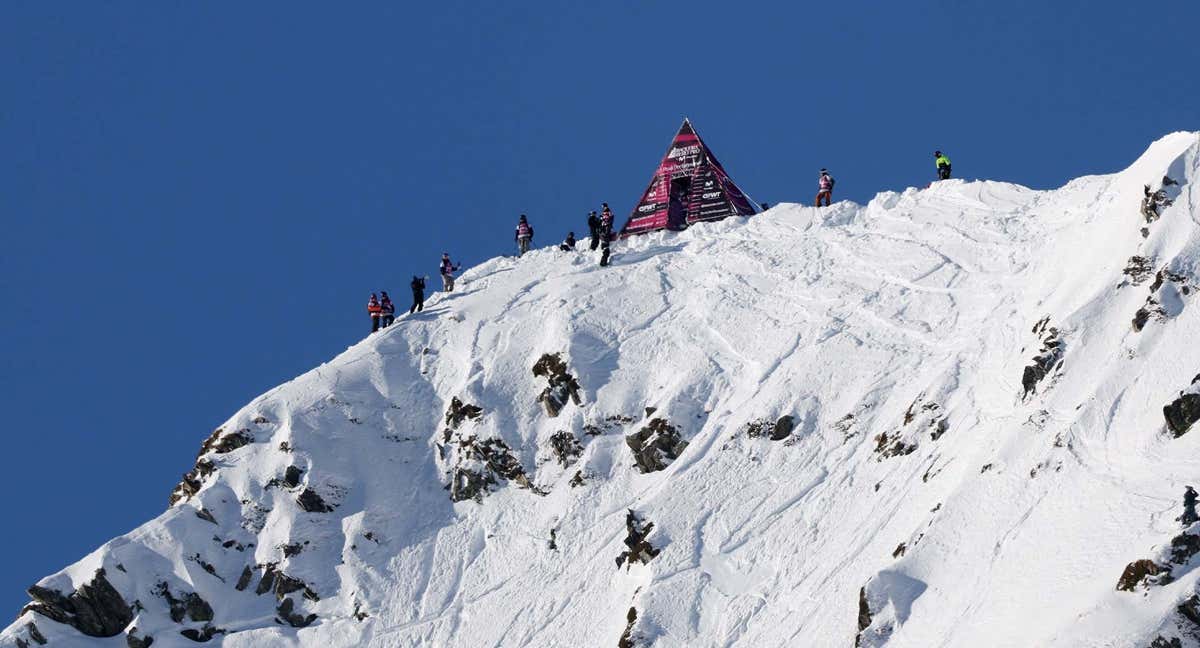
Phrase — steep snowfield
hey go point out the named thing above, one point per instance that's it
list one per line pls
(921, 495)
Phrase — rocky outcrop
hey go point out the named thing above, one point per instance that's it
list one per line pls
(1049, 359)
(459, 412)
(202, 635)
(628, 638)
(481, 465)
(1166, 299)
(637, 545)
(192, 482)
(134, 639)
(311, 502)
(922, 417)
(287, 613)
(864, 616)
(562, 385)
(565, 447)
(655, 446)
(1183, 412)
(190, 605)
(1143, 573)
(1154, 201)
(96, 608)
(776, 430)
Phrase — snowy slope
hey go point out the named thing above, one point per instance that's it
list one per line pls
(922, 495)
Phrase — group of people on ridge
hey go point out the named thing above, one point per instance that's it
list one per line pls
(383, 312)
(825, 181)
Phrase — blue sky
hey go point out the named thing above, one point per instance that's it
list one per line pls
(197, 198)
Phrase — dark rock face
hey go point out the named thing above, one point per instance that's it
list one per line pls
(492, 459)
(203, 634)
(291, 476)
(1049, 359)
(280, 584)
(190, 605)
(638, 548)
(1138, 270)
(778, 430)
(864, 615)
(566, 447)
(1190, 610)
(562, 387)
(132, 640)
(96, 609)
(1153, 308)
(891, 445)
(1161, 642)
(244, 580)
(655, 446)
(1183, 547)
(628, 639)
(458, 412)
(1143, 572)
(1183, 412)
(286, 612)
(312, 503)
(1153, 201)
(192, 481)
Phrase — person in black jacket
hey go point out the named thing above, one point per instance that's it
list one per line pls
(418, 288)
(594, 228)
(569, 244)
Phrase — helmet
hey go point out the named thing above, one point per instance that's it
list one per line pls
(937, 154)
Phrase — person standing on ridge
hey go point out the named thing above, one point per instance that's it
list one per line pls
(387, 310)
(524, 235)
(569, 244)
(374, 310)
(448, 269)
(606, 221)
(594, 228)
(418, 290)
(943, 165)
(824, 188)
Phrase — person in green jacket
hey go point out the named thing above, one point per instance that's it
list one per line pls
(943, 165)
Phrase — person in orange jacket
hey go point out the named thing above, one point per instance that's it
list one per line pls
(388, 310)
(375, 310)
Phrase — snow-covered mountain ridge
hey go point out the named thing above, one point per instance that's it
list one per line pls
(934, 420)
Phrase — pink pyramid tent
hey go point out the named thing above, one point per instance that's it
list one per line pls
(689, 186)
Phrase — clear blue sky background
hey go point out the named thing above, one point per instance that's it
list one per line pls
(196, 198)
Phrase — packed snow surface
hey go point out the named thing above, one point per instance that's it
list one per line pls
(976, 451)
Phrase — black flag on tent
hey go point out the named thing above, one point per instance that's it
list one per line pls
(689, 186)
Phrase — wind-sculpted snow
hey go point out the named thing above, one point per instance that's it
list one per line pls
(813, 427)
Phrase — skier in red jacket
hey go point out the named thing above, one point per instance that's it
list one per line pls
(375, 311)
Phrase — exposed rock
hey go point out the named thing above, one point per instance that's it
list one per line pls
(655, 446)
(132, 640)
(1153, 308)
(192, 481)
(891, 445)
(609, 423)
(206, 515)
(1049, 359)
(295, 548)
(775, 430)
(864, 615)
(312, 503)
(286, 611)
(553, 544)
(202, 635)
(566, 447)
(1184, 411)
(261, 420)
(1190, 610)
(481, 464)
(1161, 642)
(244, 580)
(1183, 547)
(1143, 572)
(285, 585)
(190, 606)
(638, 548)
(577, 480)
(562, 385)
(900, 549)
(1153, 201)
(628, 638)
(1138, 270)
(291, 476)
(35, 635)
(96, 608)
(458, 412)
